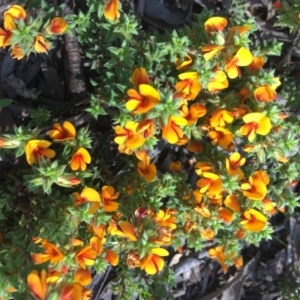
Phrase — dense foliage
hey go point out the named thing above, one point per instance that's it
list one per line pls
(202, 89)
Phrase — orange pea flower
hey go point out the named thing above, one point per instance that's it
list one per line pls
(211, 183)
(72, 291)
(37, 148)
(153, 262)
(193, 113)
(207, 234)
(269, 206)
(210, 51)
(202, 167)
(5, 37)
(219, 254)
(143, 100)
(195, 147)
(85, 257)
(99, 230)
(238, 262)
(37, 283)
(189, 85)
(111, 10)
(112, 257)
(51, 253)
(146, 128)
(172, 132)
(14, 13)
(232, 202)
(83, 276)
(215, 198)
(124, 229)
(165, 218)
(108, 195)
(254, 189)
(197, 196)
(257, 63)
(233, 164)
(253, 220)
(256, 123)
(226, 215)
(16, 51)
(139, 76)
(87, 195)
(62, 133)
(53, 276)
(267, 92)
(221, 136)
(241, 59)
(147, 171)
(181, 65)
(17, 12)
(218, 82)
(79, 160)
(96, 244)
(57, 25)
(144, 167)
(215, 24)
(221, 117)
(129, 135)
(40, 44)
(262, 175)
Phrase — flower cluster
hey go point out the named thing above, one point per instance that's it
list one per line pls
(22, 35)
(223, 194)
(214, 104)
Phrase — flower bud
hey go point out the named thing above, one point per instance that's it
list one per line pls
(57, 25)
(67, 180)
(9, 144)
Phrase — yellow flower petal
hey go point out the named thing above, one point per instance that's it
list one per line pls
(160, 251)
(90, 195)
(244, 57)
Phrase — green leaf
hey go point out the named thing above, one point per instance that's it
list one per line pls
(5, 102)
